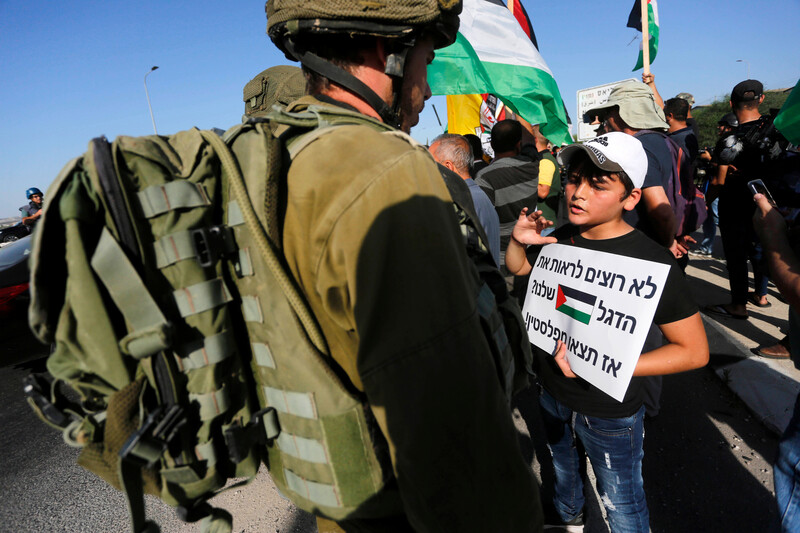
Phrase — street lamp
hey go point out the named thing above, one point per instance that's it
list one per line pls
(148, 99)
(747, 65)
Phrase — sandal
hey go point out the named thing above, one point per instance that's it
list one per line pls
(721, 311)
(754, 299)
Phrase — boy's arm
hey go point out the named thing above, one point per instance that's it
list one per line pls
(516, 260)
(686, 349)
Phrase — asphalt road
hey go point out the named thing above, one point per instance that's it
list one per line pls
(707, 463)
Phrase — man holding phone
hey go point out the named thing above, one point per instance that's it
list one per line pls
(736, 205)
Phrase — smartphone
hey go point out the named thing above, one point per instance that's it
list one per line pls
(758, 187)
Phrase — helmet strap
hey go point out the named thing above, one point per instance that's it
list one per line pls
(395, 68)
(348, 81)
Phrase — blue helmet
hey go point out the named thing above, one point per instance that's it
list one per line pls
(33, 190)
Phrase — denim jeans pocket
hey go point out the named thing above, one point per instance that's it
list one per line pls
(610, 427)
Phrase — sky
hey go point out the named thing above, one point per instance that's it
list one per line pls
(74, 71)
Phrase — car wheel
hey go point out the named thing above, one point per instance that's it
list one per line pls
(10, 237)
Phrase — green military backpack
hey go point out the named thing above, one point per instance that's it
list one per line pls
(183, 353)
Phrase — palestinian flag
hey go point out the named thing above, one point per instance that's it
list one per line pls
(518, 10)
(575, 304)
(492, 54)
(635, 22)
(788, 120)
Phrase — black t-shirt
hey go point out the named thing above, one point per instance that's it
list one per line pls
(676, 304)
(693, 124)
(736, 200)
(687, 140)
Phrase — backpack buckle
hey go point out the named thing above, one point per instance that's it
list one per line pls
(146, 445)
(212, 243)
(263, 428)
(34, 387)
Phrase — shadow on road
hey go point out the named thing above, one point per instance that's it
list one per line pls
(703, 468)
(18, 343)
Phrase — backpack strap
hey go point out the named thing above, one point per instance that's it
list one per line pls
(104, 162)
(151, 331)
(298, 303)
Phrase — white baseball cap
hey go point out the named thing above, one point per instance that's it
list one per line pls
(614, 151)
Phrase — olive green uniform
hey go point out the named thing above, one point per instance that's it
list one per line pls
(371, 237)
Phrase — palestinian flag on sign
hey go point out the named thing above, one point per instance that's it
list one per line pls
(492, 54)
(635, 22)
(575, 304)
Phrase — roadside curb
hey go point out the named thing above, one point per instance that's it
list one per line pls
(767, 389)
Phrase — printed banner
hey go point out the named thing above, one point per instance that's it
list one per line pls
(600, 305)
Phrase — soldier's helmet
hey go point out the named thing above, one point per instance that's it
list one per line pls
(288, 19)
(281, 85)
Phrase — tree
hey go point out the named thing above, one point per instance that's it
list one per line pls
(708, 116)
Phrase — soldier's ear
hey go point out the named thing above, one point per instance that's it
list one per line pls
(380, 51)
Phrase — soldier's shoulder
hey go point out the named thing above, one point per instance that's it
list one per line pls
(364, 138)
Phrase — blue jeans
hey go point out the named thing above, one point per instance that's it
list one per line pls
(787, 474)
(614, 446)
(787, 465)
(710, 226)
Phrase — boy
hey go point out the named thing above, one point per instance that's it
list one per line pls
(604, 177)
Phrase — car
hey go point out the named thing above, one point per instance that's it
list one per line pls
(15, 232)
(14, 272)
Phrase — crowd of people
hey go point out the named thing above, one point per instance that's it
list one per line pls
(609, 194)
(631, 161)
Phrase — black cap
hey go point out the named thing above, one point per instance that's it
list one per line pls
(747, 91)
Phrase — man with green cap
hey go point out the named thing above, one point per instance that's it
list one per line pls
(371, 237)
(631, 108)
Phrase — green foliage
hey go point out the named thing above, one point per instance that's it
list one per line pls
(707, 116)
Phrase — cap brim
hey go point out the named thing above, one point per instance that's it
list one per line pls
(597, 158)
(600, 108)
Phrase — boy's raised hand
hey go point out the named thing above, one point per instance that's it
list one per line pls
(529, 227)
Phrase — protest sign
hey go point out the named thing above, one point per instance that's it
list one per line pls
(600, 305)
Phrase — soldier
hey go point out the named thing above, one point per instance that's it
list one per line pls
(370, 235)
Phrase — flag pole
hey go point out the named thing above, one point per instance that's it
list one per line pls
(645, 39)
(437, 116)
